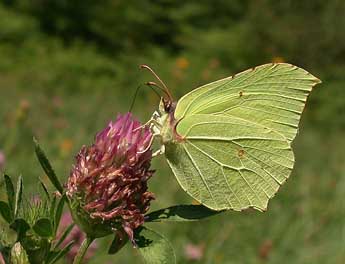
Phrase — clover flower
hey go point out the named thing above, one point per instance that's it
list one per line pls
(109, 179)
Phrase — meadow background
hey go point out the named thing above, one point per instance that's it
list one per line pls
(68, 67)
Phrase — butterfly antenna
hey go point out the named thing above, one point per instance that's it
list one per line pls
(165, 88)
(137, 91)
(153, 84)
(134, 98)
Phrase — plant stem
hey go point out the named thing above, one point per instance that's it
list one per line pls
(82, 250)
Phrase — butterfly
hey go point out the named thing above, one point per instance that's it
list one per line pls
(228, 142)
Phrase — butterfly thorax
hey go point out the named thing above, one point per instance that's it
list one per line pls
(166, 123)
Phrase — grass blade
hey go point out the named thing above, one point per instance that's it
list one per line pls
(61, 253)
(58, 212)
(19, 196)
(63, 236)
(45, 190)
(10, 192)
(42, 158)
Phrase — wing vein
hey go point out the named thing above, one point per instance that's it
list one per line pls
(200, 174)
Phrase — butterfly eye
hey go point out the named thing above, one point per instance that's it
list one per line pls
(167, 104)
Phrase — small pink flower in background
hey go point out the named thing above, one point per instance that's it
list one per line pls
(109, 179)
(2, 261)
(194, 252)
(2, 160)
(75, 235)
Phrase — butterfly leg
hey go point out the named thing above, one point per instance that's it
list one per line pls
(151, 123)
(159, 152)
(155, 115)
(154, 135)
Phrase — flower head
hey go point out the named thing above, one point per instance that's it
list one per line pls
(18, 254)
(109, 179)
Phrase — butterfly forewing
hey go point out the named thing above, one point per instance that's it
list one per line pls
(237, 132)
(273, 95)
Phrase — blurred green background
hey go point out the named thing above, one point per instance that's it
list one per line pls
(69, 66)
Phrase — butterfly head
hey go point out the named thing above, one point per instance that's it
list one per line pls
(167, 106)
(166, 111)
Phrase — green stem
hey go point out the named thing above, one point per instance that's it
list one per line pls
(82, 250)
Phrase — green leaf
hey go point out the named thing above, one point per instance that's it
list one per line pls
(119, 241)
(5, 212)
(10, 192)
(57, 255)
(52, 207)
(21, 227)
(153, 247)
(43, 227)
(42, 158)
(5, 251)
(19, 196)
(45, 190)
(63, 236)
(180, 213)
(230, 143)
(58, 212)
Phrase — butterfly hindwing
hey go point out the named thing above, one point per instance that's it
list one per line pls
(228, 163)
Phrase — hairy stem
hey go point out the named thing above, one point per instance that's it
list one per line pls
(82, 250)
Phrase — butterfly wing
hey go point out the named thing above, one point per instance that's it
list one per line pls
(237, 135)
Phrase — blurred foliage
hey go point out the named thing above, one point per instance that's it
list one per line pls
(117, 26)
(68, 66)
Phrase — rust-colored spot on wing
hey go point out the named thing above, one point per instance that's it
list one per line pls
(240, 153)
